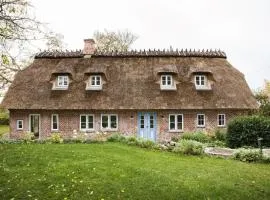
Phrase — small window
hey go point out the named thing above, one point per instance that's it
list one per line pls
(62, 81)
(55, 122)
(94, 83)
(86, 122)
(201, 120)
(166, 80)
(221, 120)
(176, 122)
(20, 124)
(200, 80)
(109, 122)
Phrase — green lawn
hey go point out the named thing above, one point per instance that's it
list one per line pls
(4, 129)
(117, 171)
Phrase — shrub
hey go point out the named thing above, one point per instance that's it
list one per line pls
(145, 143)
(4, 117)
(28, 137)
(248, 155)
(116, 138)
(220, 135)
(216, 143)
(56, 138)
(197, 136)
(245, 130)
(132, 140)
(190, 147)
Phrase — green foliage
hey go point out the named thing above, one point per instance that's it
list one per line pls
(221, 135)
(264, 102)
(175, 139)
(116, 138)
(4, 117)
(245, 130)
(56, 138)
(248, 155)
(28, 137)
(197, 136)
(190, 147)
(216, 143)
(145, 143)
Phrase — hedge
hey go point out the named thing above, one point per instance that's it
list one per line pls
(245, 131)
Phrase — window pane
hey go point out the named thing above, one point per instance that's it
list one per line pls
(104, 122)
(151, 121)
(113, 121)
(172, 122)
(142, 121)
(221, 120)
(197, 80)
(201, 120)
(83, 122)
(90, 122)
(179, 122)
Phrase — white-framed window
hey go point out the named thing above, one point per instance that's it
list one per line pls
(95, 80)
(201, 120)
(200, 80)
(54, 122)
(86, 122)
(176, 122)
(62, 81)
(94, 83)
(166, 80)
(109, 122)
(19, 124)
(221, 120)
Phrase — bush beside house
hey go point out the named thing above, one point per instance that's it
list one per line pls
(245, 131)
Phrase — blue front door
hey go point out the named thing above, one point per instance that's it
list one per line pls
(147, 125)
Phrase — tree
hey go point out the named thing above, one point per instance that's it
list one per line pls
(19, 34)
(114, 40)
(263, 98)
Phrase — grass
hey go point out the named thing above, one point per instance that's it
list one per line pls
(4, 129)
(117, 171)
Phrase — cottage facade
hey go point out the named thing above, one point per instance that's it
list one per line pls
(156, 95)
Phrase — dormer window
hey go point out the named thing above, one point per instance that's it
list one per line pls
(167, 82)
(62, 81)
(94, 83)
(201, 82)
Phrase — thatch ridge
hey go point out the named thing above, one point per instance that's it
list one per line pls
(135, 53)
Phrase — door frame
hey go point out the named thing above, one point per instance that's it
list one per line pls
(39, 124)
(140, 113)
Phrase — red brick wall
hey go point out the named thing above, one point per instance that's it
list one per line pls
(69, 120)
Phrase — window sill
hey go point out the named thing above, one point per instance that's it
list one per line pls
(167, 88)
(93, 88)
(221, 126)
(54, 130)
(203, 88)
(60, 88)
(200, 126)
(176, 131)
(109, 130)
(87, 130)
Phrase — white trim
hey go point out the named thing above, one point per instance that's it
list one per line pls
(167, 86)
(201, 126)
(39, 124)
(17, 124)
(224, 125)
(89, 85)
(176, 123)
(57, 121)
(109, 123)
(87, 128)
(205, 86)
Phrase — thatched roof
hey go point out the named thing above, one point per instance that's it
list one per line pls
(132, 82)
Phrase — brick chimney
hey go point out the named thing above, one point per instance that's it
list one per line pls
(89, 46)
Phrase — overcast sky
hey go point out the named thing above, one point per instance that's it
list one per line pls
(241, 28)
